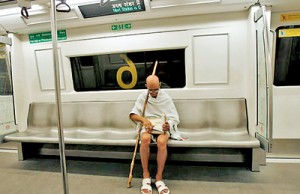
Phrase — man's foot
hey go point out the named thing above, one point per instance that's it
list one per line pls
(162, 188)
(146, 186)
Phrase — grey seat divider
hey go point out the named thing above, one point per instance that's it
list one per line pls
(216, 128)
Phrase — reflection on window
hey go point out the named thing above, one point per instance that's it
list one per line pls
(5, 82)
(287, 59)
(128, 70)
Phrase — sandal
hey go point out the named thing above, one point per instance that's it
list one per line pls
(162, 188)
(146, 185)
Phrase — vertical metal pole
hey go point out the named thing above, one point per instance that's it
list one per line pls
(58, 98)
(269, 71)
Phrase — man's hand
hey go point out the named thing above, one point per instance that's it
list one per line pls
(148, 125)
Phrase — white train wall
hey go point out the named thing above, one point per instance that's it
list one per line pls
(32, 69)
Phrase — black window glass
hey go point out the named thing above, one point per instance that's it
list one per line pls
(128, 70)
(287, 57)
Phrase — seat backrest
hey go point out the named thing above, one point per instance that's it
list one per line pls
(195, 115)
(41, 115)
(216, 114)
(82, 114)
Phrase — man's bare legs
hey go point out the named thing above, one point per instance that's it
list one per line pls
(145, 153)
(162, 153)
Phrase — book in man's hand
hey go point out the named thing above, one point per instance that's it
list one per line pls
(157, 123)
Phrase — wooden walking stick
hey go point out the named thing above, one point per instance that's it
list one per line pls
(138, 136)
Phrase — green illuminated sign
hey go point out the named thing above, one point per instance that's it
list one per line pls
(122, 6)
(46, 36)
(119, 27)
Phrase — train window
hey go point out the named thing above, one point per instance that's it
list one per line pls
(287, 58)
(128, 70)
(5, 83)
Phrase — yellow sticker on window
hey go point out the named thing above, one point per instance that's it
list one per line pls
(131, 69)
(289, 33)
(288, 17)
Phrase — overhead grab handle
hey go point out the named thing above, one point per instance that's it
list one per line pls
(63, 6)
(25, 5)
(24, 12)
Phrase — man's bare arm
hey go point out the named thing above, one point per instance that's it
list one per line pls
(147, 124)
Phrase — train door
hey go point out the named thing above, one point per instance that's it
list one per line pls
(264, 80)
(286, 89)
(7, 116)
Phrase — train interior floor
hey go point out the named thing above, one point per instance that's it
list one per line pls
(43, 175)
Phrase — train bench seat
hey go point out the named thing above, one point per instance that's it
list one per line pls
(5, 132)
(217, 130)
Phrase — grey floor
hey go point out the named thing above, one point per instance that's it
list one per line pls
(42, 176)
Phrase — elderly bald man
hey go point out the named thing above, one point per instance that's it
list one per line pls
(159, 102)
